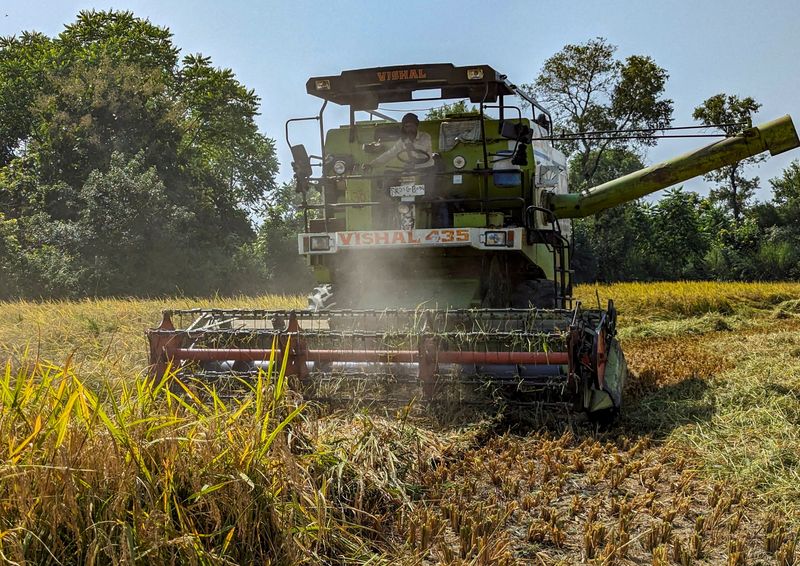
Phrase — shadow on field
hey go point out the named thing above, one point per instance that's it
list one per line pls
(650, 408)
(653, 405)
(658, 410)
(782, 390)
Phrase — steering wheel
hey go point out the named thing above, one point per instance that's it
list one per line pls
(413, 156)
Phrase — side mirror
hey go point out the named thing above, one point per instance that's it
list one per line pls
(520, 156)
(301, 163)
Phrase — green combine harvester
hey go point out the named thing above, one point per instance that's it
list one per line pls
(442, 251)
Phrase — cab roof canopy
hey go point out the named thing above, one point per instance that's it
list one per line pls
(365, 89)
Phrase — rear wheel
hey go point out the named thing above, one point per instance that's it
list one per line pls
(603, 418)
(495, 283)
(539, 293)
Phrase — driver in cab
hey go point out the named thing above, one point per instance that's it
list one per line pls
(415, 150)
(414, 144)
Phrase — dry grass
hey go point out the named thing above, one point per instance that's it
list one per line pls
(99, 465)
(688, 298)
(104, 338)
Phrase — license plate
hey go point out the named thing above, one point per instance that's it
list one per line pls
(407, 191)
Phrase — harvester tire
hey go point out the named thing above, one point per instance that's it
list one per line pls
(603, 418)
(496, 290)
(539, 293)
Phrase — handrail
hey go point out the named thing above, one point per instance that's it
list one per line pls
(436, 201)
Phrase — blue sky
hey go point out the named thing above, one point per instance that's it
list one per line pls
(708, 46)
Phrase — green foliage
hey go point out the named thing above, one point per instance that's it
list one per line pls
(588, 89)
(99, 108)
(778, 258)
(786, 191)
(129, 170)
(606, 244)
(678, 241)
(732, 188)
(220, 136)
(729, 113)
(682, 236)
(122, 239)
(129, 228)
(9, 254)
(451, 110)
(122, 36)
(613, 245)
(611, 164)
(23, 63)
(276, 244)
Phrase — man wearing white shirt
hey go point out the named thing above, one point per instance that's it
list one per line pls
(415, 149)
(413, 146)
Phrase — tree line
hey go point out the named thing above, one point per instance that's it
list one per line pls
(128, 169)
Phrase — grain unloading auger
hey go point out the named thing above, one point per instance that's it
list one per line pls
(442, 249)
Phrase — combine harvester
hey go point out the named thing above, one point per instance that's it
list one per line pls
(442, 249)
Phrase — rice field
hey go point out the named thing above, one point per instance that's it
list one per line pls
(100, 465)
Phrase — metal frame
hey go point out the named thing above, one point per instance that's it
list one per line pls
(171, 347)
(501, 82)
(576, 340)
(495, 87)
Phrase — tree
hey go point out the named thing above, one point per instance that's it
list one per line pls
(786, 193)
(23, 64)
(619, 242)
(284, 270)
(129, 231)
(451, 109)
(729, 113)
(9, 257)
(96, 109)
(678, 243)
(220, 135)
(587, 89)
(613, 164)
(778, 254)
(120, 35)
(109, 101)
(610, 246)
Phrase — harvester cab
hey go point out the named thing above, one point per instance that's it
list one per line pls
(443, 211)
(442, 246)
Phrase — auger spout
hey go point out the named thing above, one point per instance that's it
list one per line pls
(776, 137)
